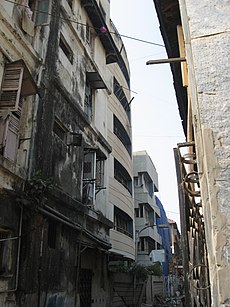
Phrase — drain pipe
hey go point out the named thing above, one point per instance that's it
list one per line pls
(18, 255)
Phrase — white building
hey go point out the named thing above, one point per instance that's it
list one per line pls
(146, 210)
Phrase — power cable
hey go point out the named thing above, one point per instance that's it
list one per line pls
(115, 33)
(134, 198)
(85, 25)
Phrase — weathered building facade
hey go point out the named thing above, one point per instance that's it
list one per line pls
(147, 212)
(196, 34)
(64, 105)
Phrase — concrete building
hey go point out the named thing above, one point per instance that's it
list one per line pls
(197, 32)
(65, 153)
(146, 209)
(176, 265)
(152, 227)
(165, 234)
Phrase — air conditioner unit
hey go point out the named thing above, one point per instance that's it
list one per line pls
(157, 255)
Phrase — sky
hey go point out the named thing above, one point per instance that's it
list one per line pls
(156, 124)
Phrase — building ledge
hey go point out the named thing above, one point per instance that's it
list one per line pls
(7, 166)
(112, 53)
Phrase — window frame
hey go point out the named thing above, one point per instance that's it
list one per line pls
(16, 84)
(65, 48)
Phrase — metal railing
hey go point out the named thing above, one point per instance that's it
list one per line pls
(195, 262)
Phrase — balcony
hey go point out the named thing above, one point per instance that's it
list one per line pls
(112, 53)
(145, 198)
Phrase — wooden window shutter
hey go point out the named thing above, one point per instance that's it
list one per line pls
(11, 88)
(11, 145)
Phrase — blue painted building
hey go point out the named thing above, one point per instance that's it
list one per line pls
(165, 233)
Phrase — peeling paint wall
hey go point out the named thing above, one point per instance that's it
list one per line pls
(207, 40)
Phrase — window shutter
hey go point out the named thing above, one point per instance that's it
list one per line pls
(11, 88)
(3, 133)
(11, 146)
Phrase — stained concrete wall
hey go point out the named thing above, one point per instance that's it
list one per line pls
(49, 274)
(207, 39)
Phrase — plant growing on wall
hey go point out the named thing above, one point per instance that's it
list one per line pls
(139, 270)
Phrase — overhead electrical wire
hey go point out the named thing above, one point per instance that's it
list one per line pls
(84, 25)
(115, 33)
(134, 198)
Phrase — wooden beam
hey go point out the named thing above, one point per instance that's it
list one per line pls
(163, 61)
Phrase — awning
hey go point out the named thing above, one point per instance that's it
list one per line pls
(95, 81)
(29, 87)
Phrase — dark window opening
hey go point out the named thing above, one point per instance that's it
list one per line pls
(141, 210)
(122, 176)
(70, 2)
(135, 180)
(60, 130)
(100, 173)
(5, 252)
(119, 93)
(66, 49)
(146, 245)
(52, 234)
(121, 133)
(87, 33)
(39, 11)
(149, 187)
(88, 107)
(88, 189)
(142, 244)
(136, 212)
(123, 222)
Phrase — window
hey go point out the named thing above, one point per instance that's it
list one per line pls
(136, 212)
(87, 33)
(100, 173)
(66, 49)
(52, 234)
(60, 130)
(88, 191)
(123, 222)
(90, 38)
(121, 133)
(142, 244)
(17, 83)
(70, 2)
(122, 176)
(146, 245)
(93, 175)
(33, 12)
(88, 104)
(119, 93)
(5, 252)
(42, 13)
